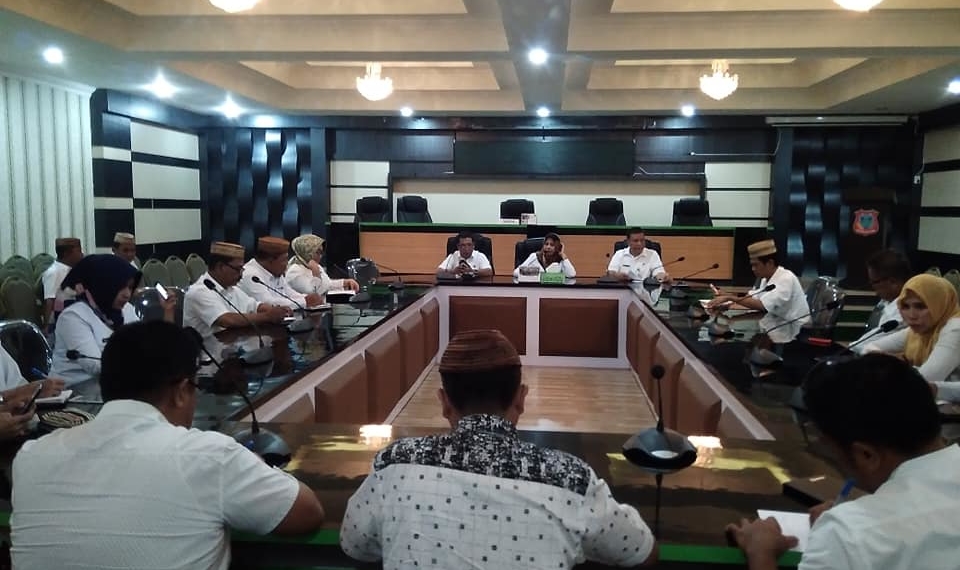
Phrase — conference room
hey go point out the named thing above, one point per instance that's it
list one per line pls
(599, 181)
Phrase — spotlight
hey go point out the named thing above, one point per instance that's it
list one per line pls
(406, 111)
(543, 112)
(53, 55)
(538, 56)
(688, 110)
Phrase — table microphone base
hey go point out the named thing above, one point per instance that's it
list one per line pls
(659, 451)
(269, 446)
(258, 357)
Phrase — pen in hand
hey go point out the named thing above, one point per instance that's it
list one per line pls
(844, 492)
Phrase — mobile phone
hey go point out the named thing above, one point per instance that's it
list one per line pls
(162, 291)
(289, 319)
(33, 399)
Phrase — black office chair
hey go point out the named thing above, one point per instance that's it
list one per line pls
(823, 322)
(481, 243)
(512, 209)
(605, 212)
(691, 212)
(373, 209)
(27, 345)
(413, 209)
(650, 244)
(524, 248)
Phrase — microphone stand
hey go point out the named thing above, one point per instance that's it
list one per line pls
(651, 280)
(299, 326)
(257, 357)
(396, 285)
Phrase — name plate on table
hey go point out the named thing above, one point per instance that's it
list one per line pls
(552, 278)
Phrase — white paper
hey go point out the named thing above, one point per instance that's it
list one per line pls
(58, 399)
(792, 524)
(339, 292)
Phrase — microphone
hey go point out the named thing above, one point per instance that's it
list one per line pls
(396, 285)
(259, 281)
(268, 445)
(261, 356)
(77, 355)
(704, 270)
(767, 289)
(886, 327)
(301, 325)
(651, 280)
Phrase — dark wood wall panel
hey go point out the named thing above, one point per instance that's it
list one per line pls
(579, 327)
(813, 169)
(505, 314)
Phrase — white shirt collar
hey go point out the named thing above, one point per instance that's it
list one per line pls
(131, 408)
(927, 463)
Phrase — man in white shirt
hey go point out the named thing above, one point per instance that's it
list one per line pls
(465, 260)
(879, 421)
(207, 311)
(269, 265)
(887, 271)
(69, 252)
(137, 486)
(479, 496)
(125, 247)
(785, 303)
(636, 262)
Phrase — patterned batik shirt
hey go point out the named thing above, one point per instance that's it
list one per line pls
(478, 497)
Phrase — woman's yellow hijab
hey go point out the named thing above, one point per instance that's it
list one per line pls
(941, 300)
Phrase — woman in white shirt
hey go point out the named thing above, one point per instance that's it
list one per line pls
(304, 273)
(931, 341)
(104, 284)
(550, 259)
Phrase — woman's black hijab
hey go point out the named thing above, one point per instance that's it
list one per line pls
(102, 276)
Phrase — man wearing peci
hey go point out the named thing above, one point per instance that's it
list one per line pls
(479, 496)
(636, 262)
(269, 265)
(206, 311)
(69, 252)
(125, 247)
(137, 487)
(465, 260)
(786, 302)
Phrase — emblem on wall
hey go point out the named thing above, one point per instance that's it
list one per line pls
(866, 222)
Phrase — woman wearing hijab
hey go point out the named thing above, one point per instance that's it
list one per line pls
(931, 341)
(550, 259)
(103, 284)
(304, 273)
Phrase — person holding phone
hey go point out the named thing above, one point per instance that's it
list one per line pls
(466, 260)
(550, 259)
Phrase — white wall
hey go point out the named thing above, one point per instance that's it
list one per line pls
(354, 179)
(739, 193)
(46, 174)
(941, 189)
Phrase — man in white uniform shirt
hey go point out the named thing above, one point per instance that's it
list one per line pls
(69, 252)
(137, 487)
(887, 271)
(269, 265)
(785, 303)
(879, 422)
(125, 247)
(479, 496)
(465, 260)
(636, 262)
(206, 311)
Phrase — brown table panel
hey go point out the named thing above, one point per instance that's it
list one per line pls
(579, 327)
(590, 254)
(506, 314)
(422, 252)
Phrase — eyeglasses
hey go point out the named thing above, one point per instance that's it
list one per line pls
(235, 268)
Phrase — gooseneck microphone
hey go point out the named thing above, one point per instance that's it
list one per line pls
(259, 281)
(704, 270)
(261, 356)
(77, 355)
(396, 285)
(886, 327)
(651, 280)
(767, 289)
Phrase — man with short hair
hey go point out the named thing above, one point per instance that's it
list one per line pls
(466, 260)
(479, 496)
(785, 303)
(887, 271)
(206, 311)
(125, 247)
(636, 262)
(879, 421)
(137, 487)
(69, 252)
(269, 265)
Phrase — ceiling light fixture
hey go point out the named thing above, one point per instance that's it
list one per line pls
(53, 55)
(406, 111)
(538, 56)
(372, 86)
(857, 5)
(543, 112)
(688, 110)
(161, 88)
(954, 87)
(234, 6)
(229, 109)
(719, 84)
